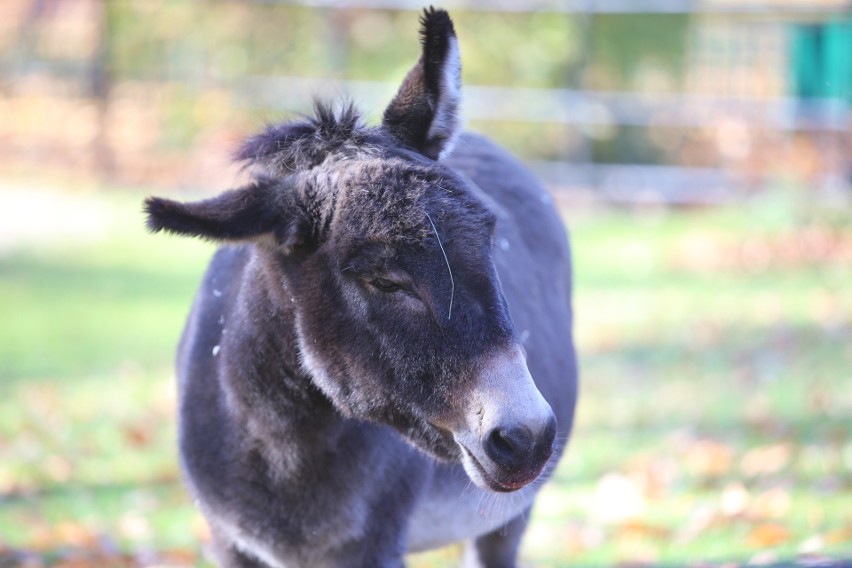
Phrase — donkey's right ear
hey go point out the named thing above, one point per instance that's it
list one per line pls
(424, 114)
(246, 214)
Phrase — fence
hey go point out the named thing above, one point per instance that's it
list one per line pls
(675, 101)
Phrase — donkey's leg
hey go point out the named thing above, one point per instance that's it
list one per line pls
(497, 549)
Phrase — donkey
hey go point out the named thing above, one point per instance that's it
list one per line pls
(380, 360)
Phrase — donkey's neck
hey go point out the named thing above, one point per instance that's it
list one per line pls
(271, 396)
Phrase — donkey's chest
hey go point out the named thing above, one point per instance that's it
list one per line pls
(452, 509)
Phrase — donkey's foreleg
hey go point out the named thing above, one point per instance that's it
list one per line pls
(499, 548)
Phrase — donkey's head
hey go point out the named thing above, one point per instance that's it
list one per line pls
(385, 257)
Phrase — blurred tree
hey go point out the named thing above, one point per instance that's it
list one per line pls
(623, 43)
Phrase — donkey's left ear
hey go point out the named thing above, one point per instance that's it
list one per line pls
(424, 114)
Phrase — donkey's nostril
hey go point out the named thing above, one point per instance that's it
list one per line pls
(500, 444)
(518, 449)
(508, 447)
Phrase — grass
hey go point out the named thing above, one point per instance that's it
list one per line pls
(714, 424)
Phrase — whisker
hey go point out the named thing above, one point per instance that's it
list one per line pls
(447, 260)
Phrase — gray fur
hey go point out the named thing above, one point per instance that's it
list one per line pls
(330, 413)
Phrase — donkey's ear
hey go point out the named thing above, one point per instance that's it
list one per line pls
(424, 114)
(256, 212)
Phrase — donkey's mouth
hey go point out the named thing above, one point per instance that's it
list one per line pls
(446, 447)
(433, 440)
(480, 475)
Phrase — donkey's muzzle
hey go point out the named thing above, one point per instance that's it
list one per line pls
(510, 428)
(518, 451)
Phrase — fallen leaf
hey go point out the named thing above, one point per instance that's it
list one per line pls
(838, 536)
(772, 504)
(766, 460)
(709, 458)
(702, 519)
(137, 436)
(75, 534)
(768, 535)
(639, 529)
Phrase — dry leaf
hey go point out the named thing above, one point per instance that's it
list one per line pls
(773, 504)
(766, 460)
(768, 535)
(75, 534)
(709, 458)
(840, 535)
(638, 529)
(137, 436)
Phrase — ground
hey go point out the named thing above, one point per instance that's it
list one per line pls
(713, 427)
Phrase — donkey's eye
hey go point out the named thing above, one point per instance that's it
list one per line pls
(385, 285)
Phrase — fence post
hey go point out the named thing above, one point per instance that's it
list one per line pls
(101, 83)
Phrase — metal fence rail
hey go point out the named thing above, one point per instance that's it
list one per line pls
(567, 106)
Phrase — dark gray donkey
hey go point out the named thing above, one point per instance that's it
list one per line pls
(380, 360)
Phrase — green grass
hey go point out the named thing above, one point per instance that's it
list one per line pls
(714, 424)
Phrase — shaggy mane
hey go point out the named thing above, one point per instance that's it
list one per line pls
(304, 143)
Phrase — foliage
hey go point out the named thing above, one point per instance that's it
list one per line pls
(622, 44)
(713, 425)
(230, 40)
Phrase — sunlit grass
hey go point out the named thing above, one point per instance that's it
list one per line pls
(713, 425)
